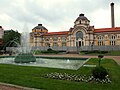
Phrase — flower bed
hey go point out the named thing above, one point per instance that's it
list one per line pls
(76, 78)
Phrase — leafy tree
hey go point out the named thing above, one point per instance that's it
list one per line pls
(11, 38)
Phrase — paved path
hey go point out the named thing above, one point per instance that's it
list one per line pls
(4, 86)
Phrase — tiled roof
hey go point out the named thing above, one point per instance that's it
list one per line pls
(107, 30)
(56, 33)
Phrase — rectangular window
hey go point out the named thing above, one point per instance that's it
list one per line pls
(55, 44)
(63, 44)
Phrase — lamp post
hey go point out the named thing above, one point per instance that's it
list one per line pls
(100, 57)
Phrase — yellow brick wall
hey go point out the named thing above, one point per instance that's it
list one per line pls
(108, 41)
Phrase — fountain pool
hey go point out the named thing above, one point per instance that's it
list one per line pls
(63, 63)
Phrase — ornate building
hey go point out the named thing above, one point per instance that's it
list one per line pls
(81, 35)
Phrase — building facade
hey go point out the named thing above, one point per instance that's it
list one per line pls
(82, 34)
(1, 35)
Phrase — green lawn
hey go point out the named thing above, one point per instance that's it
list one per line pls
(31, 77)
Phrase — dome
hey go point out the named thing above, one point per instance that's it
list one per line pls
(81, 17)
(82, 20)
(40, 27)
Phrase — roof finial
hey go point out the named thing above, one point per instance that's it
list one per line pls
(39, 24)
(81, 14)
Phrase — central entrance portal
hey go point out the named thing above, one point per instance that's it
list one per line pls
(79, 43)
(79, 39)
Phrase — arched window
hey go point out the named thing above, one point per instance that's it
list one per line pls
(80, 21)
(55, 38)
(100, 40)
(79, 39)
(47, 39)
(63, 39)
(79, 34)
(112, 40)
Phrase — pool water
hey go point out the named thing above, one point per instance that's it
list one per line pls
(65, 63)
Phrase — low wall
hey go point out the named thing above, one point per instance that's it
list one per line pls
(72, 49)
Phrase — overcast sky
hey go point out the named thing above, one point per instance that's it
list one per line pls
(56, 15)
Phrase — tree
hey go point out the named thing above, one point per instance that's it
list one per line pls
(10, 39)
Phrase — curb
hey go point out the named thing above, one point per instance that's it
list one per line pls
(17, 87)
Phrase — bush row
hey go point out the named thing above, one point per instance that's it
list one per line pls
(94, 51)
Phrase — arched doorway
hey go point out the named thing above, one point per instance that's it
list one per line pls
(79, 39)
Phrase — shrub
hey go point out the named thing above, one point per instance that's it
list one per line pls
(37, 52)
(94, 52)
(100, 56)
(104, 52)
(49, 49)
(99, 72)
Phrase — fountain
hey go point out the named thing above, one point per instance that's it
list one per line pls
(25, 55)
(26, 58)
(68, 61)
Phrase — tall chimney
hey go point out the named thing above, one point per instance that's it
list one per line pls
(112, 15)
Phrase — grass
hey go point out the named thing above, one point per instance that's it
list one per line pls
(114, 53)
(31, 77)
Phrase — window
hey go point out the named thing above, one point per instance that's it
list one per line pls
(47, 39)
(63, 44)
(118, 36)
(55, 38)
(80, 21)
(79, 34)
(100, 40)
(112, 40)
(47, 44)
(55, 44)
(85, 22)
(63, 39)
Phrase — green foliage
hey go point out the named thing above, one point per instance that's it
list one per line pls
(100, 56)
(50, 51)
(36, 52)
(99, 72)
(11, 38)
(30, 76)
(94, 52)
(114, 53)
